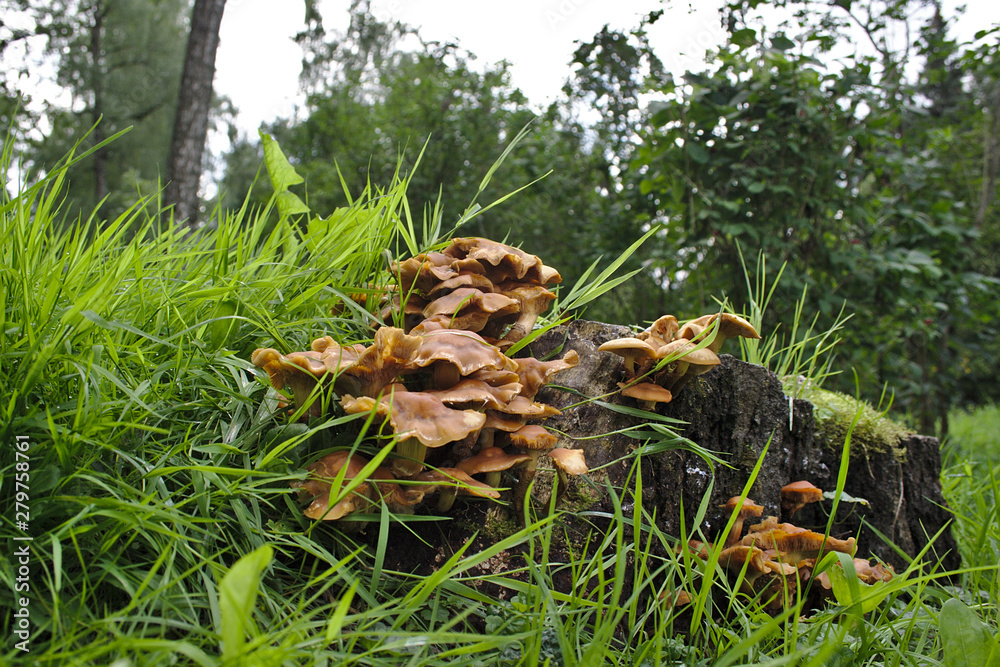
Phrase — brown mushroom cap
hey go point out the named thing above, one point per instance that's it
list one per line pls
(796, 546)
(633, 350)
(534, 374)
(319, 484)
(453, 478)
(729, 327)
(743, 510)
(299, 371)
(476, 394)
(527, 409)
(533, 437)
(469, 309)
(419, 415)
(490, 459)
(646, 392)
(532, 300)
(570, 461)
(502, 262)
(797, 495)
(467, 351)
(660, 332)
(463, 279)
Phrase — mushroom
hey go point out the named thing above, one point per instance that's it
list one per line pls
(647, 393)
(793, 547)
(567, 462)
(729, 327)
(503, 262)
(468, 309)
(302, 372)
(743, 510)
(455, 354)
(534, 440)
(660, 332)
(319, 484)
(476, 394)
(695, 363)
(637, 353)
(492, 461)
(419, 421)
(534, 374)
(797, 495)
(532, 301)
(449, 482)
(775, 581)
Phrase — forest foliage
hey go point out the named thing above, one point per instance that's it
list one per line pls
(862, 168)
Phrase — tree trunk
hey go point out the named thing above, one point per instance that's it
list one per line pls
(193, 103)
(97, 77)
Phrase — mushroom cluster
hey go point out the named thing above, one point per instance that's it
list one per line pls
(455, 404)
(661, 360)
(477, 285)
(775, 559)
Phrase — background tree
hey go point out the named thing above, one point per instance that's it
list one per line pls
(847, 174)
(93, 43)
(190, 128)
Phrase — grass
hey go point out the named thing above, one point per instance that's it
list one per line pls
(165, 531)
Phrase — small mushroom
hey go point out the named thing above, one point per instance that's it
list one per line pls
(492, 461)
(660, 332)
(318, 486)
(797, 495)
(534, 440)
(647, 394)
(534, 374)
(567, 462)
(449, 482)
(468, 309)
(532, 301)
(729, 327)
(743, 510)
(637, 354)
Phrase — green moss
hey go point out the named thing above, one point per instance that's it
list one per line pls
(874, 433)
(499, 524)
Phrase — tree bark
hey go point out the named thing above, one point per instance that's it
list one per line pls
(100, 160)
(194, 100)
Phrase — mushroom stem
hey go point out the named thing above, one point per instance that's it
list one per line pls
(524, 481)
(486, 437)
(446, 497)
(410, 459)
(561, 485)
(446, 375)
(493, 478)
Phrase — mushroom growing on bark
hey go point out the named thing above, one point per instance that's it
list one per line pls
(797, 495)
(744, 509)
(492, 461)
(419, 421)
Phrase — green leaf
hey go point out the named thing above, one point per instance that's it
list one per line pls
(282, 175)
(744, 38)
(697, 152)
(237, 595)
(966, 640)
(781, 43)
(223, 324)
(279, 169)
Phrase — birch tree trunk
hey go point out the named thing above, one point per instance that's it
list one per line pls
(194, 100)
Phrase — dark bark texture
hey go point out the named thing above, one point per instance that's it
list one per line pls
(194, 100)
(738, 411)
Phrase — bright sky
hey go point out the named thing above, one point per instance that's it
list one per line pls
(257, 67)
(258, 63)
